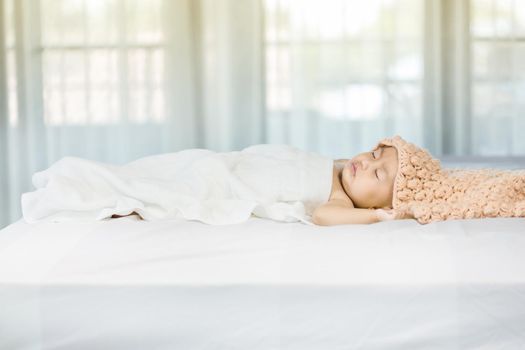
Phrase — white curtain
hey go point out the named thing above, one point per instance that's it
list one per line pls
(497, 38)
(446, 74)
(344, 73)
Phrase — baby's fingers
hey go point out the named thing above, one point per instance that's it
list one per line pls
(385, 214)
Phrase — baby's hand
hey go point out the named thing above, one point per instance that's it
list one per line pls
(392, 214)
(385, 214)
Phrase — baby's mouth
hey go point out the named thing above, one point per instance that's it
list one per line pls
(352, 167)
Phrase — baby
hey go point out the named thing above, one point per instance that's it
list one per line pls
(395, 180)
(400, 180)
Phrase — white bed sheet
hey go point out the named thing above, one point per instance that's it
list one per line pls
(130, 284)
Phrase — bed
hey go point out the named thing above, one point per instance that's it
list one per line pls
(130, 284)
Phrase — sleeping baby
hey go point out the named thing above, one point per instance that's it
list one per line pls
(279, 182)
(400, 180)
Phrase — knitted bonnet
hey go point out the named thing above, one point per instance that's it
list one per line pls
(427, 192)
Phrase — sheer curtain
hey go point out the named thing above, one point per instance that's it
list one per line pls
(497, 43)
(115, 80)
(446, 74)
(342, 74)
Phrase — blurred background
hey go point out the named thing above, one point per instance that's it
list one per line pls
(115, 80)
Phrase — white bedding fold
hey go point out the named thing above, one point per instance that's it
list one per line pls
(278, 182)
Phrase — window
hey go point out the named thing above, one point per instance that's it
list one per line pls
(449, 75)
(102, 61)
(339, 73)
(352, 69)
(497, 35)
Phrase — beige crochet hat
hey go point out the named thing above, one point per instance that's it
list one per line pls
(427, 192)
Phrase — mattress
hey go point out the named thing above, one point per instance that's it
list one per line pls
(131, 284)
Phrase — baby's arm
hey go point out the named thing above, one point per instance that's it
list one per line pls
(336, 212)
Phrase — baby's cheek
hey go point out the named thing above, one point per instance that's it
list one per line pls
(386, 196)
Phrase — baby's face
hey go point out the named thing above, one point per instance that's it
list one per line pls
(368, 178)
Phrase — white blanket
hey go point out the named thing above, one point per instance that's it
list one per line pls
(278, 182)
